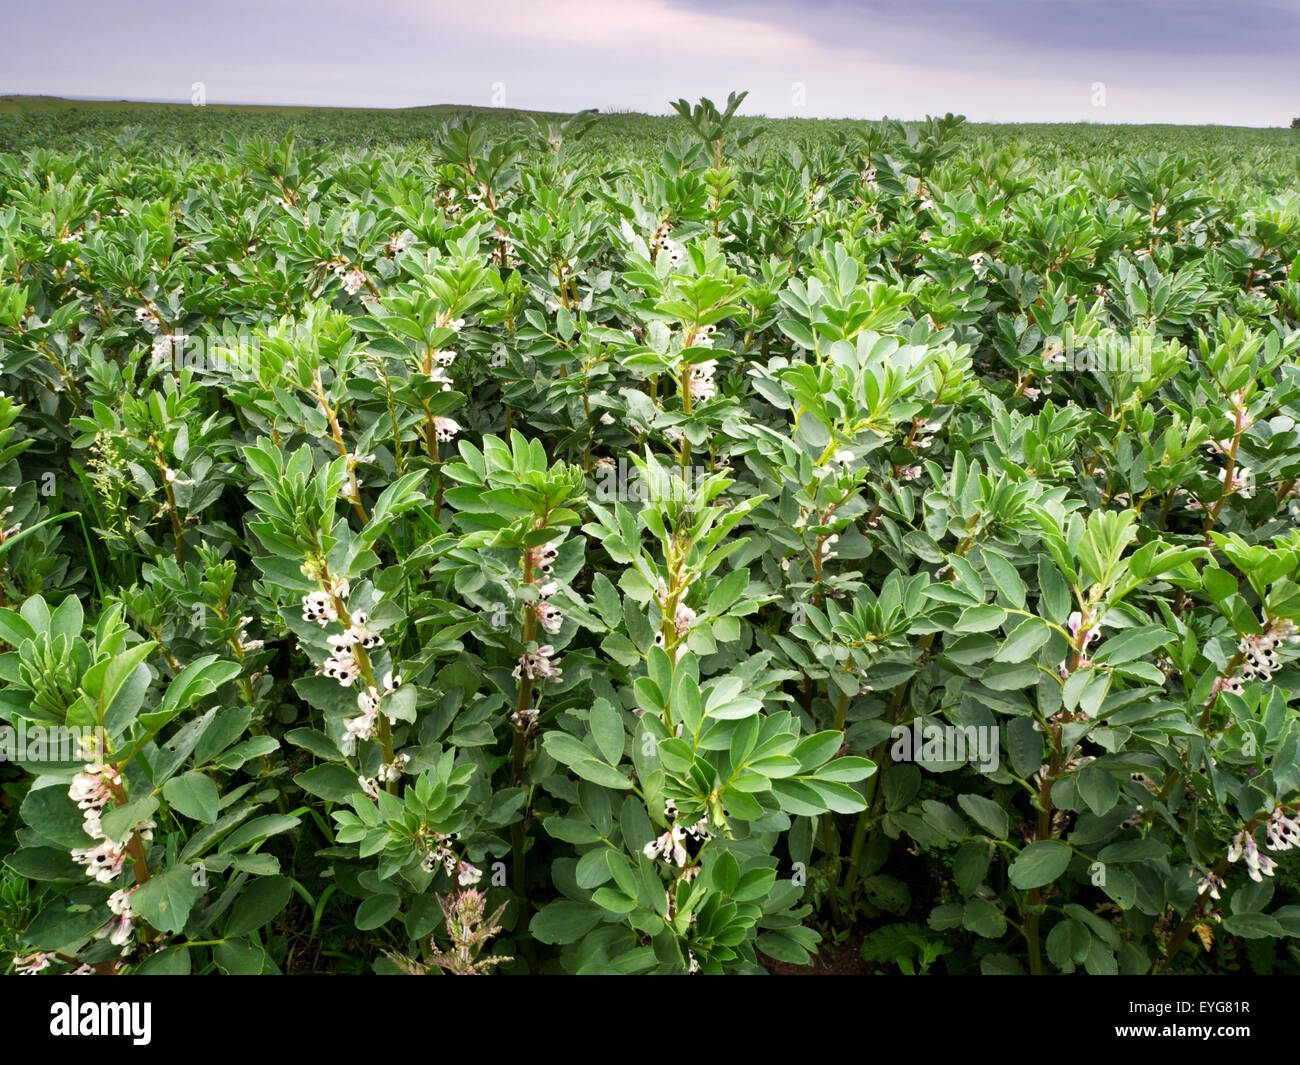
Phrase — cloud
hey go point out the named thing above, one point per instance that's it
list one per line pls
(1010, 60)
(1184, 28)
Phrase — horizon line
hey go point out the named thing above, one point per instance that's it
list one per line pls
(602, 111)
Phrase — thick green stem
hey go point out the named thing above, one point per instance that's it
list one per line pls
(519, 742)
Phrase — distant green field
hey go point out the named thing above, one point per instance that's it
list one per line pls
(57, 122)
(27, 105)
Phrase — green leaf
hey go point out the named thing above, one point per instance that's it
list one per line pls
(592, 869)
(201, 677)
(1006, 578)
(727, 591)
(377, 911)
(1135, 850)
(1097, 788)
(60, 926)
(1054, 593)
(45, 863)
(607, 730)
(816, 749)
(261, 901)
(55, 816)
(1026, 639)
(1039, 864)
(334, 783)
(259, 829)
(980, 619)
(983, 918)
(970, 865)
(1131, 644)
(887, 893)
(987, 814)
(194, 795)
(564, 922)
(238, 957)
(118, 822)
(165, 900)
(119, 670)
(171, 961)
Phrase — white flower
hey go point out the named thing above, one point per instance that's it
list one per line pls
(245, 644)
(700, 380)
(1091, 627)
(550, 617)
(103, 861)
(1242, 482)
(672, 845)
(341, 666)
(93, 786)
(544, 556)
(393, 770)
(120, 904)
(445, 428)
(31, 964)
(353, 280)
(1228, 684)
(1283, 832)
(467, 874)
(1244, 845)
(1260, 659)
(684, 620)
(538, 665)
(317, 607)
(354, 634)
(361, 727)
(1211, 883)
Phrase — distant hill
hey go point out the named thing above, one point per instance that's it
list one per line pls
(21, 104)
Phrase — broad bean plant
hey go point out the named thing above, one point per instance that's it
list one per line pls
(617, 546)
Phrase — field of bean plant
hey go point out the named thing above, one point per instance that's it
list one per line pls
(514, 543)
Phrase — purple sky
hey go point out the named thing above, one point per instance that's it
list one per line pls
(1195, 61)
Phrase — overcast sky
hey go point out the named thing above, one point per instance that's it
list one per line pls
(1191, 61)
